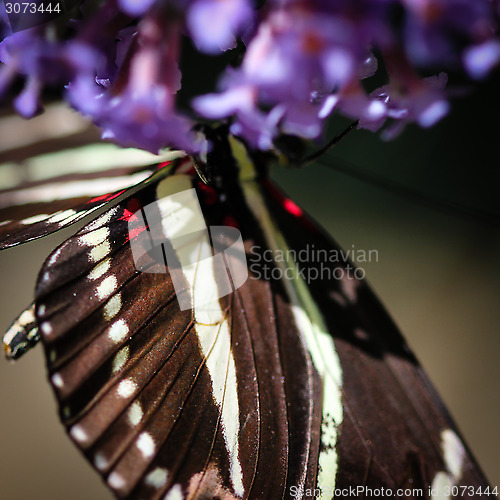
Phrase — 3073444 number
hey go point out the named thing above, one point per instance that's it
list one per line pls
(469, 491)
(32, 8)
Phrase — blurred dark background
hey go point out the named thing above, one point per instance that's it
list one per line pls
(438, 275)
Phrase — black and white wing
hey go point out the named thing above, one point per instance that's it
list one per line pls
(287, 387)
(55, 171)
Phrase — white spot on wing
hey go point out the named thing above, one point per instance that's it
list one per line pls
(106, 287)
(454, 453)
(99, 252)
(126, 388)
(453, 456)
(175, 493)
(100, 269)
(440, 482)
(57, 380)
(135, 413)
(118, 331)
(112, 307)
(34, 219)
(120, 359)
(94, 238)
(102, 220)
(146, 445)
(116, 481)
(78, 433)
(55, 255)
(11, 333)
(46, 328)
(19, 325)
(157, 478)
(42, 309)
(26, 317)
(100, 461)
(63, 215)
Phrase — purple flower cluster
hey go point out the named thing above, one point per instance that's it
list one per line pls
(302, 60)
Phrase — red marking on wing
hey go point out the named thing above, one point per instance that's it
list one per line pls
(229, 220)
(163, 164)
(292, 207)
(106, 197)
(208, 194)
(135, 232)
(132, 207)
(99, 198)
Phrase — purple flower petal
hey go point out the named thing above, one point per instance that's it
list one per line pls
(423, 102)
(431, 114)
(147, 121)
(135, 8)
(227, 103)
(302, 121)
(304, 61)
(27, 103)
(215, 24)
(479, 60)
(258, 128)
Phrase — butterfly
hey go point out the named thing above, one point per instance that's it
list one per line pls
(287, 386)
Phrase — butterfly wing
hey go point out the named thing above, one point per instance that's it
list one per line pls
(286, 387)
(54, 171)
(161, 400)
(395, 432)
(22, 334)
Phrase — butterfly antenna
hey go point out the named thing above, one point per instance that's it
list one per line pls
(329, 145)
(349, 169)
(200, 172)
